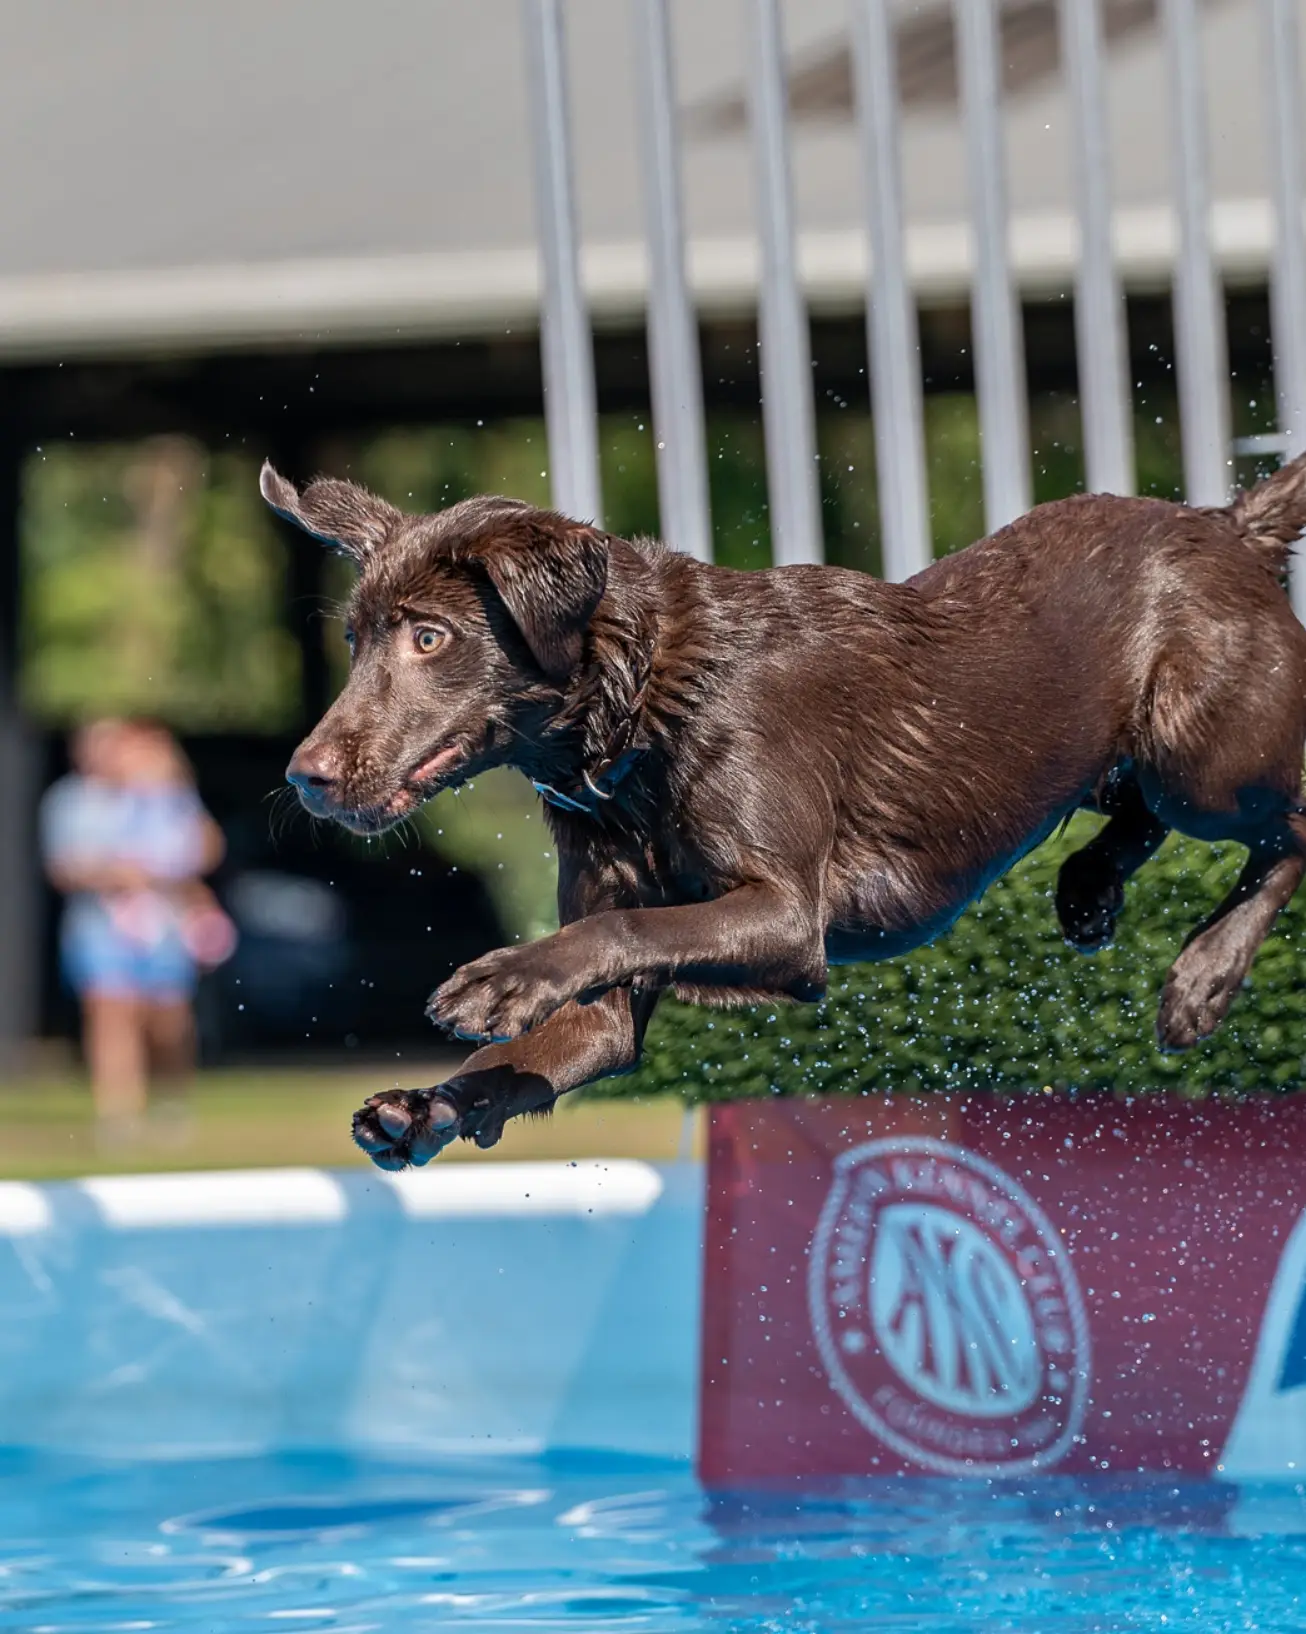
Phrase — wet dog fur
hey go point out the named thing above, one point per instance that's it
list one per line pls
(751, 776)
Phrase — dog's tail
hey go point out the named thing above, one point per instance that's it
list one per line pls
(1272, 516)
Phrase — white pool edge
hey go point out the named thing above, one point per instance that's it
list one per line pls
(305, 1196)
(490, 1307)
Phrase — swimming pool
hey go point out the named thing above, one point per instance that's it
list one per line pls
(332, 1542)
(467, 1399)
(507, 1307)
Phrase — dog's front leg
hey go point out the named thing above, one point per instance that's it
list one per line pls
(758, 936)
(400, 1127)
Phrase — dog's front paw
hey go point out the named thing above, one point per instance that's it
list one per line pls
(404, 1128)
(502, 995)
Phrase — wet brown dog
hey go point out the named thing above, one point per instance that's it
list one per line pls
(753, 775)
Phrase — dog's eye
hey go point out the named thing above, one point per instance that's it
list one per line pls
(349, 641)
(427, 639)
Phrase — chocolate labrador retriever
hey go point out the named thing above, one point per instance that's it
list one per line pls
(750, 776)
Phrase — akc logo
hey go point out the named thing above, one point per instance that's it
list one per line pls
(946, 1310)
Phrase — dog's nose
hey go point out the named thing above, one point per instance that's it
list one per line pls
(314, 773)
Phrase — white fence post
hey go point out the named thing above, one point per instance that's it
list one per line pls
(570, 409)
(788, 414)
(894, 341)
(1283, 83)
(675, 369)
(1101, 339)
(1201, 335)
(997, 335)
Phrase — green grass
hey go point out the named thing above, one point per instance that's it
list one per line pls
(1001, 1003)
(244, 1119)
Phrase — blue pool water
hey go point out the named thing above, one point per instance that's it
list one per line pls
(334, 1543)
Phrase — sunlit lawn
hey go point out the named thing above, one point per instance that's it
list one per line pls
(276, 1118)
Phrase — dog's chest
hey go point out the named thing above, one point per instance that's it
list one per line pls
(669, 871)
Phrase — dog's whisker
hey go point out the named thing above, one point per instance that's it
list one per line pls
(283, 808)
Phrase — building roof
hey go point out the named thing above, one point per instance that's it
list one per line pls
(230, 170)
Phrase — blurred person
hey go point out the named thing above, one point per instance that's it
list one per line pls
(127, 841)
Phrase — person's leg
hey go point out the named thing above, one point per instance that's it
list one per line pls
(170, 1023)
(113, 1037)
(170, 1020)
(98, 963)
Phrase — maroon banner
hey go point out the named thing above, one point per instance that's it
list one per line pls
(996, 1286)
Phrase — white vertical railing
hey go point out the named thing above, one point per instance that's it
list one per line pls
(570, 409)
(1201, 345)
(894, 343)
(788, 415)
(996, 333)
(1283, 83)
(1201, 336)
(1101, 342)
(675, 370)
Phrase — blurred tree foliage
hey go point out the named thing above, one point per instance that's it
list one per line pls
(155, 579)
(154, 583)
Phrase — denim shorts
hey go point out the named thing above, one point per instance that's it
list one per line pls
(99, 958)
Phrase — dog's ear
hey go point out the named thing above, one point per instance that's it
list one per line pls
(550, 574)
(339, 513)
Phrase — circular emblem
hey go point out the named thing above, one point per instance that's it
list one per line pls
(946, 1310)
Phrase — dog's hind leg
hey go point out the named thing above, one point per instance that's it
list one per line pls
(1217, 956)
(1091, 884)
(1219, 747)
